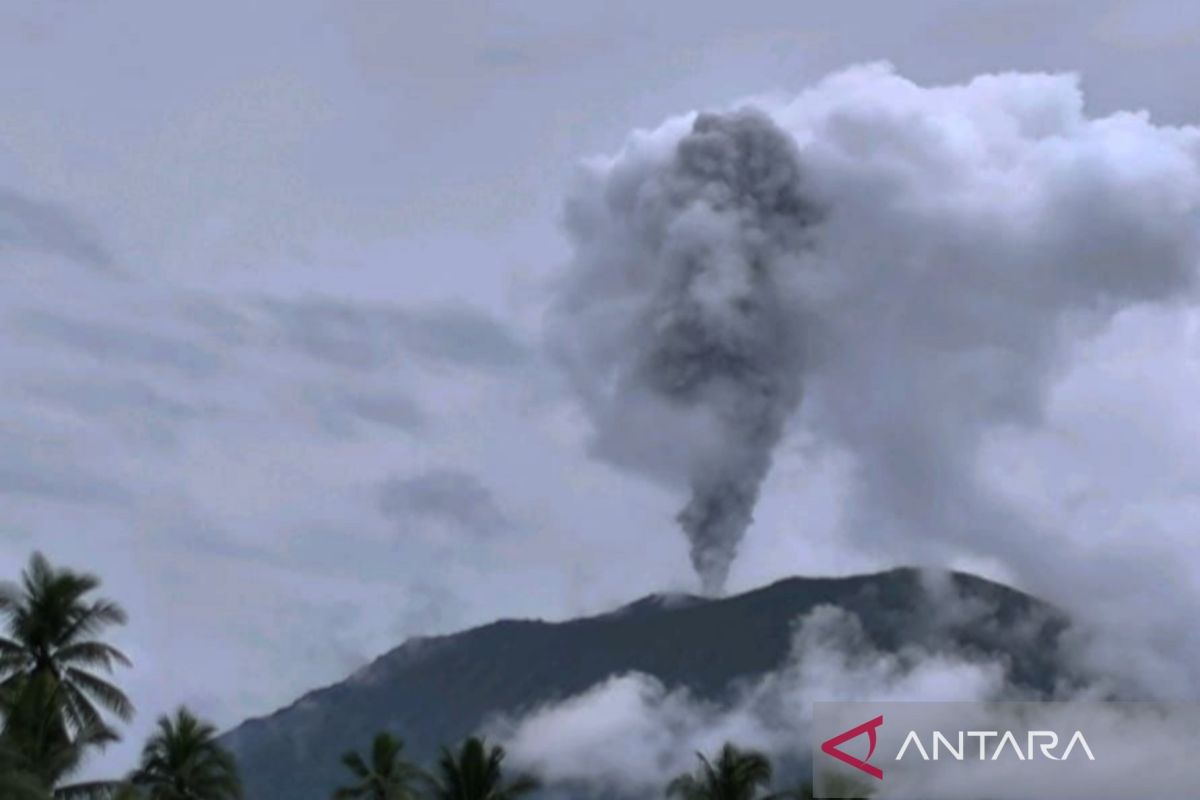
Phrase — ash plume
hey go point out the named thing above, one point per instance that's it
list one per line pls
(934, 266)
(704, 248)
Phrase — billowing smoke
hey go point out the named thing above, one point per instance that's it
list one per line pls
(923, 262)
(626, 736)
(694, 257)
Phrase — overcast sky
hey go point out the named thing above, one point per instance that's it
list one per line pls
(273, 279)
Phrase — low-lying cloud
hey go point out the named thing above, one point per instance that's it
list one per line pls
(631, 734)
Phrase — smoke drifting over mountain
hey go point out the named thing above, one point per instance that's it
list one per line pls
(621, 737)
(921, 261)
(697, 254)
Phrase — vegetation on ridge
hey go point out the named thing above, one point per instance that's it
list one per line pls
(59, 703)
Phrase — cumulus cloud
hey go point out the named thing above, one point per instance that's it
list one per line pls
(631, 733)
(967, 241)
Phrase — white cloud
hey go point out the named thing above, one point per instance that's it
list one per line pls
(631, 734)
(974, 241)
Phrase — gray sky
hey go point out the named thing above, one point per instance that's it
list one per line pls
(272, 286)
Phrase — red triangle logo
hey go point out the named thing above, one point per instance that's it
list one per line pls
(830, 747)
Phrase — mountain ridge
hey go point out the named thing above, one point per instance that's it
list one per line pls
(437, 689)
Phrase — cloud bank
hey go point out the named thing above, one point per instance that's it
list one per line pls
(631, 734)
(926, 266)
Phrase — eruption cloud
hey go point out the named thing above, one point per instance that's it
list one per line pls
(924, 262)
(705, 245)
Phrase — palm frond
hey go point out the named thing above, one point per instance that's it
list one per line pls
(92, 790)
(100, 690)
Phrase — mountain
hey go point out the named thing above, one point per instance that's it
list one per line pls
(439, 689)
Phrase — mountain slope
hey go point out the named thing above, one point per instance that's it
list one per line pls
(437, 690)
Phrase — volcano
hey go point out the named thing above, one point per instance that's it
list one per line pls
(436, 690)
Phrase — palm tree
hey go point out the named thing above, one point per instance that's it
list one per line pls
(48, 635)
(736, 775)
(388, 776)
(182, 760)
(19, 782)
(20, 786)
(48, 693)
(15, 782)
(474, 773)
(35, 746)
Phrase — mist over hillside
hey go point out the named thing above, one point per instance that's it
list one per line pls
(707, 651)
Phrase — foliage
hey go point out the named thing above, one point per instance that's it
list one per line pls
(50, 627)
(55, 697)
(183, 760)
(475, 772)
(388, 776)
(735, 775)
(51, 698)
